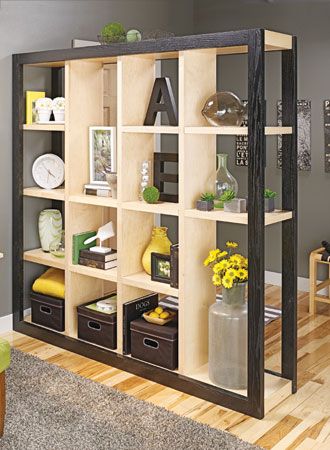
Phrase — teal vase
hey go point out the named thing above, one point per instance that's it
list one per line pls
(50, 228)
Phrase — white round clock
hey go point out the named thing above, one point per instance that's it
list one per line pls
(48, 171)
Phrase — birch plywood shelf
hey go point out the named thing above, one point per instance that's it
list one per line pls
(44, 127)
(241, 218)
(54, 194)
(116, 82)
(38, 256)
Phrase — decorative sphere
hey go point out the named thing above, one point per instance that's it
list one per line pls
(224, 109)
(133, 36)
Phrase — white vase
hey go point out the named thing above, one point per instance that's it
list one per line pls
(44, 114)
(50, 228)
(59, 115)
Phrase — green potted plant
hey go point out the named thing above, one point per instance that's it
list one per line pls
(206, 202)
(231, 203)
(269, 200)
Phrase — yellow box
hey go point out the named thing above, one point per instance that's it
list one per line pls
(31, 97)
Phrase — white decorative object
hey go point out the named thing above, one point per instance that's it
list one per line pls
(44, 107)
(146, 177)
(59, 109)
(133, 36)
(102, 153)
(48, 171)
(105, 232)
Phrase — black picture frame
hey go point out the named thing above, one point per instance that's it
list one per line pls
(156, 259)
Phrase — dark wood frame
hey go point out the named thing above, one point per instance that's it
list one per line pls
(253, 404)
(155, 258)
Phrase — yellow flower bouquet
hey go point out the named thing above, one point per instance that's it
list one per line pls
(229, 268)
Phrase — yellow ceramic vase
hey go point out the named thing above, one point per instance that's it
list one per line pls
(159, 243)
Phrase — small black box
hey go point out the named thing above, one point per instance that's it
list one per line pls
(47, 311)
(97, 327)
(157, 344)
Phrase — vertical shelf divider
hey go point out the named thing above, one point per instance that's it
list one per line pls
(197, 81)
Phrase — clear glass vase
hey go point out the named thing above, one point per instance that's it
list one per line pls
(224, 179)
(224, 109)
(228, 339)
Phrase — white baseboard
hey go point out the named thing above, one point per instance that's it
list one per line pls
(275, 279)
(6, 323)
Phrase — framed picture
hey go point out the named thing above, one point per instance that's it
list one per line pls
(31, 98)
(161, 267)
(102, 153)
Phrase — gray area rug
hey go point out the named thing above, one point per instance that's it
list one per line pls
(50, 408)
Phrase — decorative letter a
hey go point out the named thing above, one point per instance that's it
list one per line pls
(162, 90)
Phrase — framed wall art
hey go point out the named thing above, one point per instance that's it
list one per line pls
(326, 112)
(304, 113)
(102, 153)
(242, 143)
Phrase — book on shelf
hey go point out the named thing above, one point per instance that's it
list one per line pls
(97, 264)
(98, 192)
(169, 302)
(78, 244)
(103, 257)
(133, 310)
(97, 187)
(174, 261)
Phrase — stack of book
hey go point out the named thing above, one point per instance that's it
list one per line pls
(101, 190)
(104, 261)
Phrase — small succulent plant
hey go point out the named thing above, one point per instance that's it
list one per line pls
(207, 197)
(151, 194)
(113, 32)
(227, 196)
(270, 194)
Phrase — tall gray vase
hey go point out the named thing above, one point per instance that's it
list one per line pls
(50, 227)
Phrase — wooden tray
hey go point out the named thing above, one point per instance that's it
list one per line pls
(158, 321)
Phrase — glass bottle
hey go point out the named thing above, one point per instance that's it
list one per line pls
(159, 243)
(224, 179)
(228, 339)
(146, 177)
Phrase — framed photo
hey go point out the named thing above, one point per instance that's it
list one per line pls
(161, 267)
(102, 153)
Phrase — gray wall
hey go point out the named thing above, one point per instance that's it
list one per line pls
(310, 22)
(41, 25)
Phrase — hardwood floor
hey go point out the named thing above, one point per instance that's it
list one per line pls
(300, 422)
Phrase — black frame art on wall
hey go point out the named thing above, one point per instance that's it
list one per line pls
(304, 114)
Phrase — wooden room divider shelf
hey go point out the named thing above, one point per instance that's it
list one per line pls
(106, 275)
(115, 82)
(54, 194)
(236, 131)
(107, 202)
(44, 127)
(38, 256)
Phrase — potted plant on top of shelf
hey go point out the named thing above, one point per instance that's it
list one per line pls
(228, 318)
(206, 202)
(269, 200)
(231, 203)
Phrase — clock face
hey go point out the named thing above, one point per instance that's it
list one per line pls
(48, 171)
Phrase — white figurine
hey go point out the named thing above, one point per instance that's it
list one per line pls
(105, 232)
